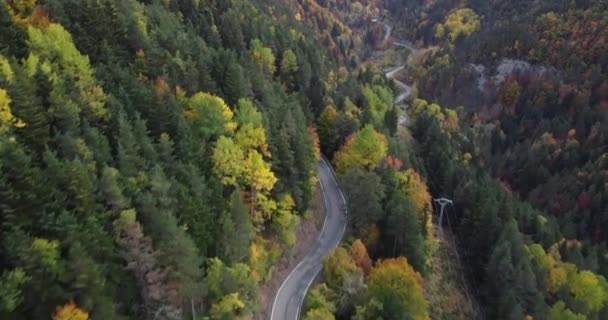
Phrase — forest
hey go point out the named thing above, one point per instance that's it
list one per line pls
(158, 156)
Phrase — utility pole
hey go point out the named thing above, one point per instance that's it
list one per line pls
(442, 202)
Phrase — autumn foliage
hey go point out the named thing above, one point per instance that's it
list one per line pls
(70, 311)
(416, 189)
(364, 149)
(358, 252)
(394, 283)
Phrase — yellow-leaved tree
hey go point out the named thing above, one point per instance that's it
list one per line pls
(365, 149)
(285, 221)
(70, 311)
(416, 189)
(463, 21)
(55, 52)
(240, 160)
(7, 119)
(394, 283)
(228, 159)
(229, 307)
(261, 180)
(210, 115)
(263, 57)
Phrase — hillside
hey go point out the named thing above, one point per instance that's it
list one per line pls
(155, 156)
(528, 81)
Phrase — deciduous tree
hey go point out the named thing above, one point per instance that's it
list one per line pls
(70, 311)
(228, 159)
(210, 115)
(365, 149)
(359, 253)
(395, 291)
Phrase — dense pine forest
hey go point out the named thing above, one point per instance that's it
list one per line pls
(157, 157)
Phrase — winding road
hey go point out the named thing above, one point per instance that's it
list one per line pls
(290, 296)
(406, 90)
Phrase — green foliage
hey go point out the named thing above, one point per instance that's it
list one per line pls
(231, 289)
(229, 307)
(285, 222)
(337, 267)
(10, 290)
(519, 280)
(403, 228)
(236, 231)
(345, 279)
(262, 57)
(559, 312)
(289, 67)
(209, 115)
(320, 297)
(12, 37)
(246, 113)
(365, 150)
(394, 292)
(228, 159)
(326, 125)
(319, 314)
(378, 101)
(141, 257)
(590, 290)
(263, 256)
(511, 278)
(47, 254)
(67, 70)
(364, 204)
(124, 167)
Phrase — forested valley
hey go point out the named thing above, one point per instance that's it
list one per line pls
(158, 157)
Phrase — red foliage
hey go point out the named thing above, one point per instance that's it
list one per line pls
(161, 86)
(348, 141)
(40, 18)
(603, 94)
(505, 185)
(394, 162)
(598, 235)
(583, 200)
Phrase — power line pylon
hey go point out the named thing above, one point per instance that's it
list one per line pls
(442, 202)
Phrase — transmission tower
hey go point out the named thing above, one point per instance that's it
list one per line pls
(442, 202)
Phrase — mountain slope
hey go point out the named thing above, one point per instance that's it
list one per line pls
(137, 138)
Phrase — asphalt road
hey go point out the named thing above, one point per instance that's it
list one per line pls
(290, 296)
(406, 90)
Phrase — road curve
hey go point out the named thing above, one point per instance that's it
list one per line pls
(406, 90)
(290, 296)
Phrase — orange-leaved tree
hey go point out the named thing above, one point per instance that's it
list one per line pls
(359, 253)
(70, 311)
(417, 190)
